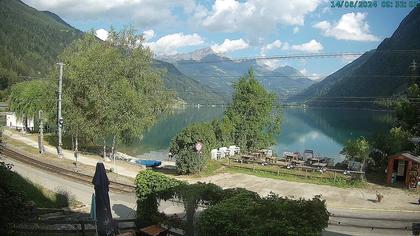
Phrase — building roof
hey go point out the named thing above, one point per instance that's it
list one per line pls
(407, 155)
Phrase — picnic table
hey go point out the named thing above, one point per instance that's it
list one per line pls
(248, 158)
(154, 230)
(270, 159)
(256, 154)
(319, 164)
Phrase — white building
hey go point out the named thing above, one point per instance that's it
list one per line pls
(13, 122)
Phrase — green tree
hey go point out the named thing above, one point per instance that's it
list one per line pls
(111, 88)
(408, 109)
(150, 188)
(29, 97)
(254, 113)
(395, 141)
(223, 129)
(194, 194)
(33, 99)
(188, 160)
(357, 150)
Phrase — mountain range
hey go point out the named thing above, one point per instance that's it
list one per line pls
(220, 72)
(382, 72)
(31, 40)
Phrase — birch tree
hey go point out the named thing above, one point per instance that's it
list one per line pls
(33, 99)
(111, 88)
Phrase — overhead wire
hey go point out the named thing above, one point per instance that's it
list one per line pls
(290, 56)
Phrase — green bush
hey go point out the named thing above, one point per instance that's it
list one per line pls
(189, 136)
(150, 186)
(188, 161)
(247, 214)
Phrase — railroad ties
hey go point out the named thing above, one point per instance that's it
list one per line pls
(78, 177)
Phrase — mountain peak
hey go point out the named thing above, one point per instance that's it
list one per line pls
(196, 55)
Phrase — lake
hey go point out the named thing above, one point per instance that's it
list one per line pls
(324, 130)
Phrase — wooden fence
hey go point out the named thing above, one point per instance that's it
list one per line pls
(278, 168)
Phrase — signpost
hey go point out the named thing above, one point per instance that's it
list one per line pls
(199, 147)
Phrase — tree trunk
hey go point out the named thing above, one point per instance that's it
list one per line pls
(104, 150)
(113, 147)
(76, 148)
(72, 142)
(189, 230)
(362, 165)
(113, 152)
(26, 123)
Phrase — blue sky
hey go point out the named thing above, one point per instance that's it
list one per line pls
(246, 28)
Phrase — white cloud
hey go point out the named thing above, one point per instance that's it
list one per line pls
(143, 13)
(311, 46)
(286, 46)
(270, 64)
(351, 26)
(254, 16)
(148, 34)
(296, 30)
(275, 44)
(311, 76)
(169, 44)
(230, 45)
(102, 34)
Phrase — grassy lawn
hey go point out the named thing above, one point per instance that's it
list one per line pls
(42, 197)
(296, 175)
(212, 168)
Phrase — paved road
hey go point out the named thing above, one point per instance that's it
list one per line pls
(123, 206)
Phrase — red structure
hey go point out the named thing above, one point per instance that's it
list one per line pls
(403, 168)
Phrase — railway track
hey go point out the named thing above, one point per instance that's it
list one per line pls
(78, 177)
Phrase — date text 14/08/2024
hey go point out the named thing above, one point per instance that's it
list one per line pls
(375, 4)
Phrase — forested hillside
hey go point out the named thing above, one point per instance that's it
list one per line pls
(383, 72)
(30, 41)
(189, 90)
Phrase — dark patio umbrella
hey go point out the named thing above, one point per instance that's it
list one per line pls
(104, 224)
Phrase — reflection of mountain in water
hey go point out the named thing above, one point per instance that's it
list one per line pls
(344, 124)
(159, 136)
(323, 130)
(327, 130)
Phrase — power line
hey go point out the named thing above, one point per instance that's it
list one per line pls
(295, 56)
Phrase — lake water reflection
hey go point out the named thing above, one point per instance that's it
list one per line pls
(321, 129)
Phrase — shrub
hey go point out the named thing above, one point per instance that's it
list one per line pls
(149, 186)
(188, 161)
(189, 136)
(247, 214)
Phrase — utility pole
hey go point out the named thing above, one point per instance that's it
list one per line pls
(41, 134)
(59, 118)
